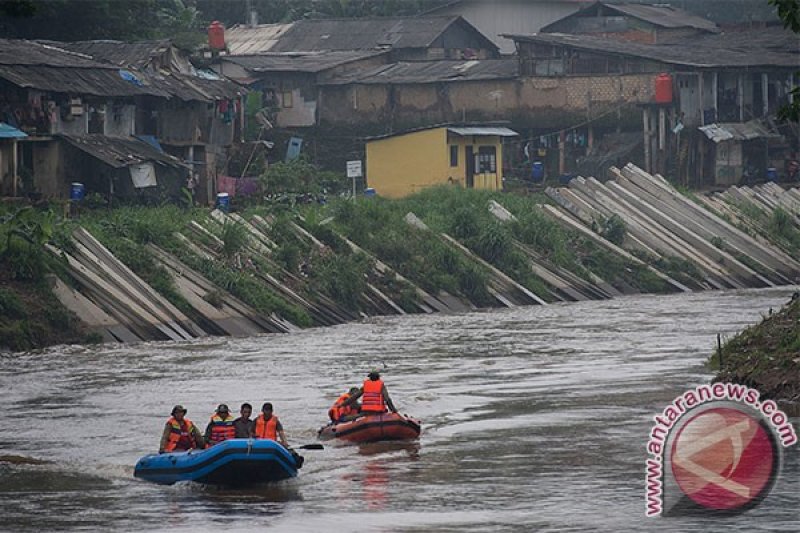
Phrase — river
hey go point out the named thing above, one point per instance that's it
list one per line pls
(534, 418)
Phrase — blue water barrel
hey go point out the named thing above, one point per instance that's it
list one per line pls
(772, 174)
(369, 191)
(76, 192)
(537, 171)
(223, 201)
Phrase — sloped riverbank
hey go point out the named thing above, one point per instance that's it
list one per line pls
(166, 273)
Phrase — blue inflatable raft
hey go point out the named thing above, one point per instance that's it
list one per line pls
(232, 462)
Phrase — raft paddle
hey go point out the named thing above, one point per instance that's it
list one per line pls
(311, 447)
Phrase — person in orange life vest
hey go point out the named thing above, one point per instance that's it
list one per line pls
(339, 413)
(180, 433)
(220, 427)
(374, 396)
(269, 427)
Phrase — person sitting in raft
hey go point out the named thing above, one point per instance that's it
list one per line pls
(374, 396)
(220, 427)
(268, 426)
(180, 434)
(341, 413)
(243, 424)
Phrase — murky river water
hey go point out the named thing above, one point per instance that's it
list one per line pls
(533, 419)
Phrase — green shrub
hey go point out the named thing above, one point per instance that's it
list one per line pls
(10, 306)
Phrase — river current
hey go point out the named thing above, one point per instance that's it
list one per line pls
(534, 418)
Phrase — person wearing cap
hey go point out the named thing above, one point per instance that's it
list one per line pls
(244, 426)
(268, 426)
(180, 433)
(374, 396)
(341, 413)
(220, 427)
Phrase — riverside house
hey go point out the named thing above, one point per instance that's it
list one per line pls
(286, 62)
(468, 156)
(124, 119)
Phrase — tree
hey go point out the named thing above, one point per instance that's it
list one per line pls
(789, 13)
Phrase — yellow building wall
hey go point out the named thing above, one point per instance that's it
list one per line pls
(405, 164)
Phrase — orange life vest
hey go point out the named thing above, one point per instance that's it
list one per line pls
(180, 435)
(221, 429)
(372, 399)
(338, 410)
(266, 429)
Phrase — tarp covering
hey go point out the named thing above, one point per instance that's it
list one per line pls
(143, 175)
(10, 132)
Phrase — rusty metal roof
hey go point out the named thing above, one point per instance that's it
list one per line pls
(120, 152)
(774, 47)
(370, 33)
(430, 72)
(311, 62)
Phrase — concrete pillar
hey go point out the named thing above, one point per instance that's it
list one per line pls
(562, 156)
(662, 135)
(701, 92)
(715, 88)
(14, 173)
(646, 133)
(764, 94)
(740, 96)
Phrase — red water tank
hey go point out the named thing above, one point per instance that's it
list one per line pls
(663, 89)
(216, 35)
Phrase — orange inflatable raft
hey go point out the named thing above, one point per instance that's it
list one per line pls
(373, 428)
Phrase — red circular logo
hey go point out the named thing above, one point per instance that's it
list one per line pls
(723, 458)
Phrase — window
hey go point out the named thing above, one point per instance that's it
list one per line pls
(453, 155)
(487, 160)
(286, 97)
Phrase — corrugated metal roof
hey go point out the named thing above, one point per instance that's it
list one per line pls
(466, 131)
(300, 62)
(486, 129)
(242, 40)
(120, 152)
(664, 16)
(137, 54)
(774, 47)
(737, 131)
(431, 72)
(70, 80)
(23, 52)
(369, 33)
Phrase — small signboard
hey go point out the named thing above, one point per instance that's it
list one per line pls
(354, 169)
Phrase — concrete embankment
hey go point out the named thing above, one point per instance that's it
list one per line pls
(138, 274)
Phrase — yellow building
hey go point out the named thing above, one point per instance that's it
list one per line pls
(469, 156)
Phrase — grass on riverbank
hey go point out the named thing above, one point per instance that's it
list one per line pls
(766, 356)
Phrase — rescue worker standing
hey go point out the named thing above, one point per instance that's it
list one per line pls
(180, 434)
(340, 412)
(269, 427)
(374, 396)
(221, 426)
